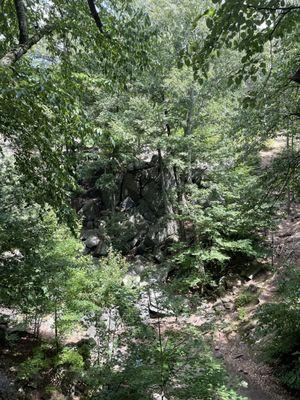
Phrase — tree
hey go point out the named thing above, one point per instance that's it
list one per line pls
(43, 97)
(67, 27)
(245, 27)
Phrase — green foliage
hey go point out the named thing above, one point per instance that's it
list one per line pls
(86, 110)
(33, 279)
(72, 359)
(280, 329)
(245, 27)
(37, 255)
(242, 313)
(47, 128)
(245, 298)
(33, 366)
(224, 228)
(50, 86)
(178, 365)
(283, 175)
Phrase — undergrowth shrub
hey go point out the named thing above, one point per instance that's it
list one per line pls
(245, 298)
(71, 358)
(33, 366)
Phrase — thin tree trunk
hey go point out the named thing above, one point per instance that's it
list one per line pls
(178, 186)
(56, 328)
(288, 205)
(95, 15)
(189, 128)
(164, 186)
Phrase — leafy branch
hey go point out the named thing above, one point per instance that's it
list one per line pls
(26, 42)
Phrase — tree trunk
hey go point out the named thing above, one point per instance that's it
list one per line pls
(22, 21)
(164, 186)
(56, 329)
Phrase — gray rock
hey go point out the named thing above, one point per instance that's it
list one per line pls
(156, 312)
(140, 264)
(91, 209)
(218, 306)
(92, 241)
(229, 306)
(130, 187)
(127, 204)
(132, 280)
(158, 305)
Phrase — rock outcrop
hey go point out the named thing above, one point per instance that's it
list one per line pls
(131, 217)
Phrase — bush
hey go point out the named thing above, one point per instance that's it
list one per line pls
(33, 366)
(72, 359)
(245, 298)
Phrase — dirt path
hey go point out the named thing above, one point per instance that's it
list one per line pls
(257, 378)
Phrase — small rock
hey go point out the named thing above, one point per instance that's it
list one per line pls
(92, 241)
(101, 249)
(132, 280)
(127, 204)
(218, 306)
(229, 306)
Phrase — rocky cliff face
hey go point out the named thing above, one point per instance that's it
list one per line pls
(132, 217)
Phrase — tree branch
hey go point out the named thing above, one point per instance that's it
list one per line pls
(15, 54)
(26, 43)
(285, 9)
(294, 115)
(282, 15)
(22, 22)
(95, 15)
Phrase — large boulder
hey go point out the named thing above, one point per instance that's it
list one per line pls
(158, 305)
(130, 187)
